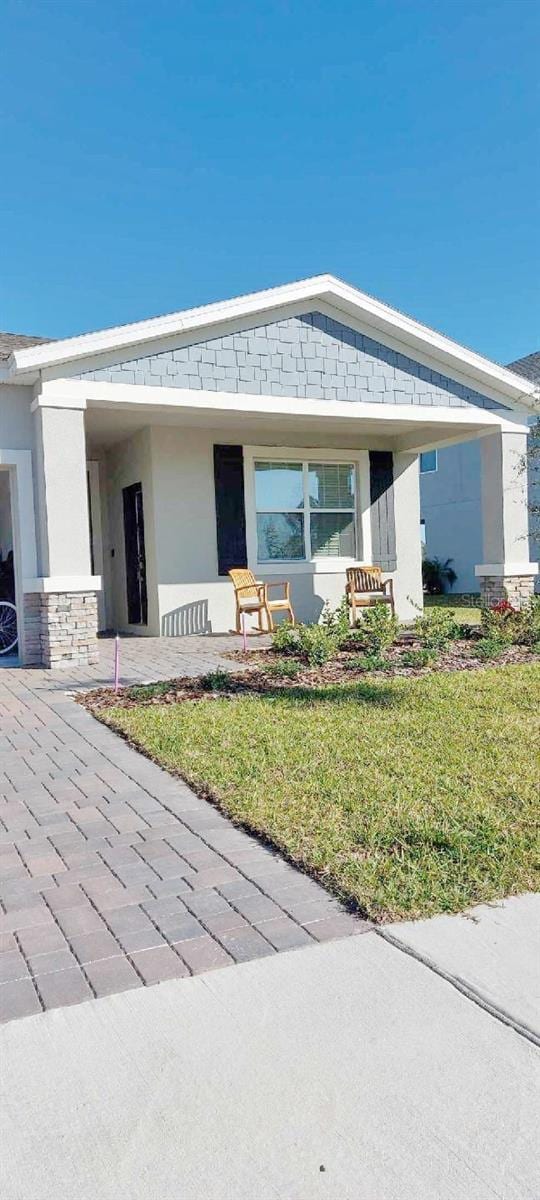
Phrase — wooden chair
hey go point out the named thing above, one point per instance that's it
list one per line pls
(365, 587)
(251, 596)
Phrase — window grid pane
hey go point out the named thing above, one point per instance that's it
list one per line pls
(331, 485)
(279, 486)
(332, 535)
(280, 537)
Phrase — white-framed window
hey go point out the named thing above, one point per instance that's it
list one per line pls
(306, 508)
(428, 461)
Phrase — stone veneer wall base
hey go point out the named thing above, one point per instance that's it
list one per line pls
(60, 629)
(517, 589)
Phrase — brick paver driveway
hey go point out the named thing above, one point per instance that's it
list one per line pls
(113, 874)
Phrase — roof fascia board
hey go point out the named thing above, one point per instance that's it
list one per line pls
(340, 295)
(174, 341)
(239, 324)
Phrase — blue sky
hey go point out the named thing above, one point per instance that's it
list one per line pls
(160, 155)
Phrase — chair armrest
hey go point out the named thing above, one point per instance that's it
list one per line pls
(248, 587)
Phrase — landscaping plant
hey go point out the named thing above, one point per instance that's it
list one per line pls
(436, 628)
(337, 621)
(367, 662)
(216, 681)
(284, 668)
(378, 629)
(285, 638)
(417, 658)
(437, 574)
(512, 626)
(316, 643)
(487, 648)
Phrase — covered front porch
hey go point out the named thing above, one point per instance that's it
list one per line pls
(179, 494)
(154, 501)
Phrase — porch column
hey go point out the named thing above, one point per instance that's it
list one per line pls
(408, 576)
(60, 604)
(506, 573)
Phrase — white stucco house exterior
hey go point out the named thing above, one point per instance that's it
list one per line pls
(279, 430)
(451, 501)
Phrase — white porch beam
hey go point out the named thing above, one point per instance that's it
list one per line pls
(71, 393)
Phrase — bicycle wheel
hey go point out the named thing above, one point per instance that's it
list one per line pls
(8, 626)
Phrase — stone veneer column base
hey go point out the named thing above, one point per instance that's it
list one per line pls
(517, 589)
(60, 629)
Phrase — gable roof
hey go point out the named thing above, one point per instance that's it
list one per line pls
(529, 367)
(17, 341)
(376, 318)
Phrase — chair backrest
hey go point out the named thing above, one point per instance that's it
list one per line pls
(242, 578)
(364, 579)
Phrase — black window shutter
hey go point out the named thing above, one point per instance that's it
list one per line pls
(383, 525)
(230, 507)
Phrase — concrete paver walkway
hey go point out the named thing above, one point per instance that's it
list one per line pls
(346, 1072)
(112, 873)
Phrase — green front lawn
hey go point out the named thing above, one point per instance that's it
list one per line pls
(466, 606)
(408, 796)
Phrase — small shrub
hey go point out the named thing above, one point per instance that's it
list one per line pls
(150, 691)
(467, 632)
(417, 658)
(285, 638)
(489, 647)
(367, 662)
(284, 668)
(500, 622)
(216, 681)
(530, 623)
(378, 629)
(337, 621)
(317, 644)
(436, 628)
(510, 625)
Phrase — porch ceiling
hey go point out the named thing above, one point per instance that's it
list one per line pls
(106, 426)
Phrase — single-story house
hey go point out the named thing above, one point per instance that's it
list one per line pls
(279, 430)
(451, 504)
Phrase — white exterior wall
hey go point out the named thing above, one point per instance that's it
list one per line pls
(127, 463)
(186, 545)
(15, 417)
(6, 532)
(17, 518)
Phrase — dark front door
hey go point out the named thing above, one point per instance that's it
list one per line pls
(137, 603)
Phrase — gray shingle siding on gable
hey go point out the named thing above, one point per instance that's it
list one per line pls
(311, 356)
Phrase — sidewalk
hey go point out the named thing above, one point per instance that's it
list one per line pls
(349, 1071)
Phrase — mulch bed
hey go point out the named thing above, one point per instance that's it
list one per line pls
(255, 676)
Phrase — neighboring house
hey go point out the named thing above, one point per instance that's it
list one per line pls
(279, 430)
(451, 500)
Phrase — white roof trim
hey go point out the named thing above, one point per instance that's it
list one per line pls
(327, 288)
